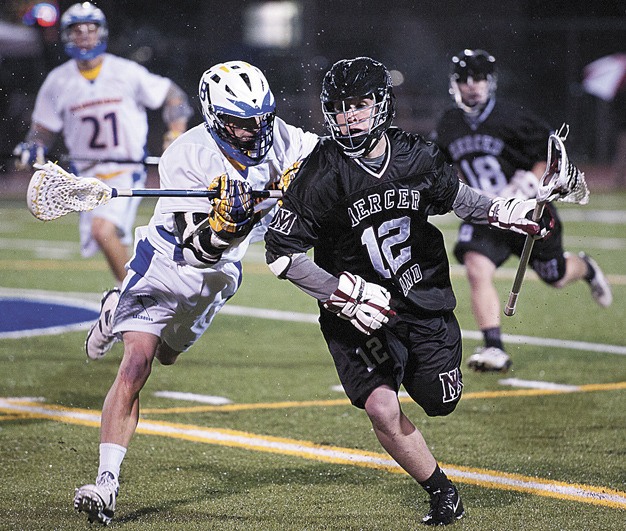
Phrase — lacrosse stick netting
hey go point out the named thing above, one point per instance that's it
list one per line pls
(562, 181)
(54, 192)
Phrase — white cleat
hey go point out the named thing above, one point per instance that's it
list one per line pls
(100, 338)
(600, 288)
(489, 359)
(98, 500)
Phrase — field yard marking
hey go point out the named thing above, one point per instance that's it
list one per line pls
(537, 384)
(330, 454)
(193, 397)
(402, 397)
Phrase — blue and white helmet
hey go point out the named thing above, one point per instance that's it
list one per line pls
(238, 89)
(84, 12)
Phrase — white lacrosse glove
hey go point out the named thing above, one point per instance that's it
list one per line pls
(516, 215)
(28, 153)
(364, 304)
(523, 185)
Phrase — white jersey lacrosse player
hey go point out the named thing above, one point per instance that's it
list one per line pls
(99, 101)
(187, 261)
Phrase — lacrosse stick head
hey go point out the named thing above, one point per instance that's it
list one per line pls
(53, 192)
(562, 180)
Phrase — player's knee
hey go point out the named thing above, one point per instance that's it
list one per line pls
(382, 408)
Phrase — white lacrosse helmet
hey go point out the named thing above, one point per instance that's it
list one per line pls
(83, 13)
(240, 90)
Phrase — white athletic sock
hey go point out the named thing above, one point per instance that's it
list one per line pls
(111, 457)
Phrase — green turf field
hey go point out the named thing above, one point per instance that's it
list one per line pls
(289, 452)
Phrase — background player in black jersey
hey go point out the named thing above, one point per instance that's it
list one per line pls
(501, 149)
(362, 200)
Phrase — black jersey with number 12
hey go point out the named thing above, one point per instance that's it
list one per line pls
(374, 223)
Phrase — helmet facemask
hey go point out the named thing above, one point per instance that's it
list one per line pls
(345, 87)
(472, 67)
(246, 140)
(84, 17)
(239, 111)
(355, 140)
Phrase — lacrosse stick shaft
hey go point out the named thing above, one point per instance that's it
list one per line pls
(147, 161)
(509, 309)
(210, 194)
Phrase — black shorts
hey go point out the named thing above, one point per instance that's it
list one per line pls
(423, 354)
(547, 258)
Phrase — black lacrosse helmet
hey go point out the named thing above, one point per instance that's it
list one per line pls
(354, 78)
(476, 64)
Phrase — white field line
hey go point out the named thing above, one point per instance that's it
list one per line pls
(536, 384)
(471, 334)
(280, 315)
(193, 397)
(330, 454)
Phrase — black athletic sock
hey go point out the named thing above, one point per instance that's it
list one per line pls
(591, 273)
(493, 337)
(437, 481)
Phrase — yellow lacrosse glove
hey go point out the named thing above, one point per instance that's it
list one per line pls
(233, 209)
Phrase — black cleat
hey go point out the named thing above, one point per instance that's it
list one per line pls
(445, 507)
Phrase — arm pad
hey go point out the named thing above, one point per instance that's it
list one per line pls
(201, 247)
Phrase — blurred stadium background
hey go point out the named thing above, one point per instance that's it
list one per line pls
(542, 49)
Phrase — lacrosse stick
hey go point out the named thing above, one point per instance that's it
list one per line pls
(562, 181)
(146, 161)
(53, 192)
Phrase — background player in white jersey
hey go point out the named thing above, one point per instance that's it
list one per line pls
(362, 200)
(99, 101)
(186, 263)
(500, 148)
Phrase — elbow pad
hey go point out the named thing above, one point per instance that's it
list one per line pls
(279, 266)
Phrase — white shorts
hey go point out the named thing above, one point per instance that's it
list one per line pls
(121, 211)
(175, 302)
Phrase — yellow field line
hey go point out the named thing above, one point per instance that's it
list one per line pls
(344, 401)
(330, 454)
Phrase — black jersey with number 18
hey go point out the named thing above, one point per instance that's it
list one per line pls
(374, 223)
(489, 148)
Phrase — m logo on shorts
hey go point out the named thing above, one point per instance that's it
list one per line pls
(451, 384)
(145, 302)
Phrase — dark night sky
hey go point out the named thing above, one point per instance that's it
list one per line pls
(540, 47)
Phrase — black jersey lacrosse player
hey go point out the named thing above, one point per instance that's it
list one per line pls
(380, 273)
(500, 148)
